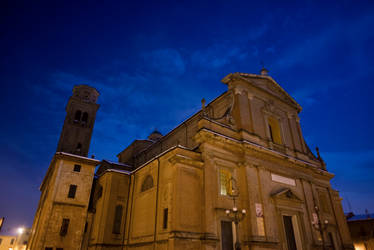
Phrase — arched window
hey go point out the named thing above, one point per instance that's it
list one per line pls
(117, 220)
(77, 116)
(85, 117)
(147, 183)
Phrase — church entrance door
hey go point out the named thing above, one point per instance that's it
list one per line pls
(290, 233)
(226, 235)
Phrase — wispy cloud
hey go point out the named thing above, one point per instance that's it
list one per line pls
(320, 46)
(132, 103)
(333, 45)
(216, 56)
(164, 61)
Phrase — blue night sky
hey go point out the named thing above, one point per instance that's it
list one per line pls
(153, 63)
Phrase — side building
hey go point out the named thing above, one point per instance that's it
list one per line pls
(244, 151)
(361, 227)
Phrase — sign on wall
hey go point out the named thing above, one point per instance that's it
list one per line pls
(283, 179)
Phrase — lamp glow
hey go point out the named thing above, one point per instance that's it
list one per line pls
(20, 230)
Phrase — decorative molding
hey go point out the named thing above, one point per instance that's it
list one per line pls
(178, 158)
(286, 194)
(227, 117)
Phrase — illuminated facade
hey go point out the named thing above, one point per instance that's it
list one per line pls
(172, 191)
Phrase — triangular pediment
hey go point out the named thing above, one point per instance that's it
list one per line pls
(286, 194)
(265, 83)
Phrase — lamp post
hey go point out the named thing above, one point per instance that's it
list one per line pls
(320, 226)
(18, 241)
(235, 214)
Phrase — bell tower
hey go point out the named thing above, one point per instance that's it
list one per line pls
(79, 122)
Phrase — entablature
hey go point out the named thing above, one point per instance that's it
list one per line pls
(244, 147)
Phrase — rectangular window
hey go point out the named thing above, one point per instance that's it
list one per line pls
(1, 240)
(64, 227)
(77, 168)
(59, 248)
(225, 177)
(11, 241)
(49, 248)
(72, 190)
(165, 221)
(117, 220)
(274, 130)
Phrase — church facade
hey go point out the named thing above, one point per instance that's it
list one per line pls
(238, 174)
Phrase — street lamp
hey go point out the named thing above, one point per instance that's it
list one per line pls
(235, 214)
(20, 230)
(320, 226)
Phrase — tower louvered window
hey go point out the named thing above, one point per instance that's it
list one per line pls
(77, 116)
(85, 118)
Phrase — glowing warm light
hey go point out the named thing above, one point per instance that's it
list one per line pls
(235, 209)
(359, 246)
(244, 211)
(20, 230)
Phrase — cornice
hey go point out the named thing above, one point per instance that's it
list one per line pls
(256, 150)
(76, 158)
(185, 160)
